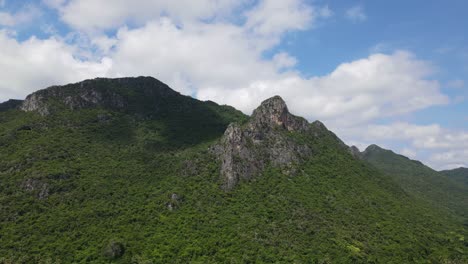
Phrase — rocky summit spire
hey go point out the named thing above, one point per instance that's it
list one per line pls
(271, 111)
(246, 150)
(274, 112)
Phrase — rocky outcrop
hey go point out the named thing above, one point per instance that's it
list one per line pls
(41, 189)
(74, 97)
(246, 150)
(274, 113)
(174, 202)
(123, 94)
(355, 152)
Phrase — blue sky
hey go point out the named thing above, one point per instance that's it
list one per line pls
(387, 72)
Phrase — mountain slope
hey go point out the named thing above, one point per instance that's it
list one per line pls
(10, 104)
(459, 175)
(86, 180)
(420, 180)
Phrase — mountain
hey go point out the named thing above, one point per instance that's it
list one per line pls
(419, 180)
(129, 171)
(10, 104)
(459, 175)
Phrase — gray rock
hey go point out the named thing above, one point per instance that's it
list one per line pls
(34, 185)
(246, 150)
(174, 202)
(136, 95)
(273, 112)
(84, 96)
(355, 152)
(35, 102)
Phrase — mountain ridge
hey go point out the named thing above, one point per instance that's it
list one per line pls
(419, 179)
(98, 183)
(90, 96)
(460, 175)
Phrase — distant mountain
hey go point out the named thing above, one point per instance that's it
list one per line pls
(129, 171)
(460, 175)
(10, 104)
(420, 180)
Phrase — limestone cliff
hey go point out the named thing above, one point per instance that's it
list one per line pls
(246, 150)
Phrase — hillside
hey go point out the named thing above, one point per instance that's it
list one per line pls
(129, 171)
(419, 180)
(459, 175)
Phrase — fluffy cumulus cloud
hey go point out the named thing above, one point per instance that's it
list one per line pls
(288, 15)
(355, 92)
(26, 14)
(109, 14)
(33, 64)
(215, 49)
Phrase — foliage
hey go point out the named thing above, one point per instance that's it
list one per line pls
(459, 175)
(421, 181)
(110, 175)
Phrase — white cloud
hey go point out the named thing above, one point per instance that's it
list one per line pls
(106, 14)
(225, 62)
(356, 92)
(444, 148)
(450, 159)
(356, 14)
(34, 64)
(283, 60)
(25, 15)
(188, 56)
(205, 55)
(273, 17)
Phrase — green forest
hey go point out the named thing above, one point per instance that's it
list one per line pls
(139, 185)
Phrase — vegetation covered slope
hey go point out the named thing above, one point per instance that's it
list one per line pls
(419, 180)
(10, 104)
(100, 185)
(459, 175)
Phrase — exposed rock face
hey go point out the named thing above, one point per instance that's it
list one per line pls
(82, 96)
(116, 94)
(246, 150)
(236, 157)
(355, 152)
(40, 188)
(273, 112)
(174, 202)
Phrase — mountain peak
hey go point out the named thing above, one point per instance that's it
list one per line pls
(274, 112)
(245, 150)
(10, 104)
(118, 94)
(275, 104)
(373, 147)
(355, 152)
